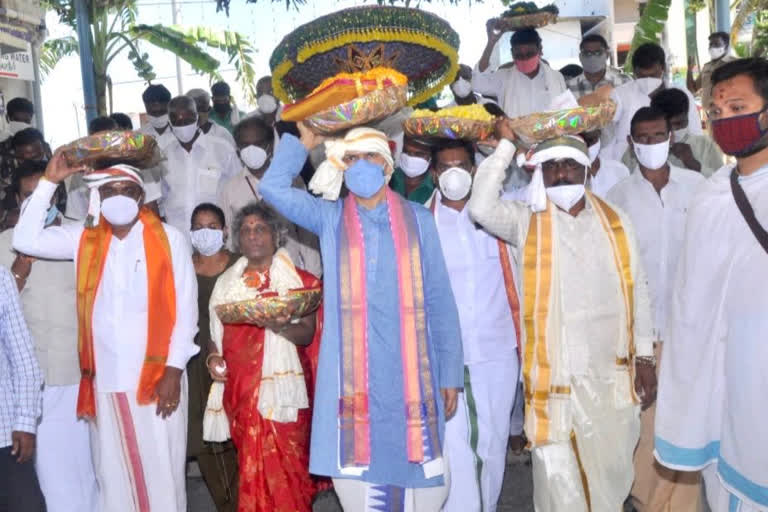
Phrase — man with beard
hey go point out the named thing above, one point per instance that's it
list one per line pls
(587, 345)
(711, 413)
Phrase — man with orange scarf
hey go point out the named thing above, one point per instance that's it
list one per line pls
(137, 316)
(391, 360)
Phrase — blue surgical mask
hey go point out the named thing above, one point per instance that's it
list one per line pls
(53, 213)
(364, 178)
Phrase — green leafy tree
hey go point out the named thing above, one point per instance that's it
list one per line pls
(649, 27)
(114, 31)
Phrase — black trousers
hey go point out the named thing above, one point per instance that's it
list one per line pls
(19, 488)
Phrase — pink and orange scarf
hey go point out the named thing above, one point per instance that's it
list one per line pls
(422, 439)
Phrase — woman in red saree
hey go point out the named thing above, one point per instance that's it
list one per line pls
(267, 370)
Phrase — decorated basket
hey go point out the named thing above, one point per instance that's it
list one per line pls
(522, 15)
(420, 45)
(470, 122)
(541, 126)
(298, 303)
(107, 148)
(350, 99)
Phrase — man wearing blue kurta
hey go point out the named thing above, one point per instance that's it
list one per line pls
(391, 336)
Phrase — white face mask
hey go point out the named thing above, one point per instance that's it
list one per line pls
(455, 183)
(680, 134)
(566, 196)
(253, 157)
(267, 103)
(461, 88)
(715, 52)
(119, 210)
(652, 156)
(185, 133)
(158, 122)
(594, 151)
(648, 85)
(207, 241)
(16, 126)
(412, 166)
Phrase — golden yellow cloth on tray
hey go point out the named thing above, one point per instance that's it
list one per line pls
(342, 88)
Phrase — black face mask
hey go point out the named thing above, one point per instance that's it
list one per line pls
(221, 108)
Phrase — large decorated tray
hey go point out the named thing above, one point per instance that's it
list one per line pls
(522, 15)
(418, 44)
(541, 126)
(469, 122)
(108, 148)
(296, 303)
(350, 99)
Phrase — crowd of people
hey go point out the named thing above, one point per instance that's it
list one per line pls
(476, 298)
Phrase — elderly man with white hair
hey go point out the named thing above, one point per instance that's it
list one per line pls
(587, 342)
(390, 357)
(203, 103)
(137, 317)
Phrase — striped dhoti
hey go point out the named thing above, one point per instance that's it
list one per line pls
(139, 457)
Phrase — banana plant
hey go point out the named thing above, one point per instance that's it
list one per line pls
(649, 27)
(746, 9)
(114, 31)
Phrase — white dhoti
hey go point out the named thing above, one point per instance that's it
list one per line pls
(594, 471)
(359, 496)
(476, 437)
(63, 455)
(720, 499)
(139, 457)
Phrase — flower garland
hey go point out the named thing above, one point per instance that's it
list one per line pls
(366, 25)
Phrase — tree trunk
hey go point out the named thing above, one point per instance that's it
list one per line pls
(101, 94)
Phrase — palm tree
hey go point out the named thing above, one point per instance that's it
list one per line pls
(114, 30)
(649, 27)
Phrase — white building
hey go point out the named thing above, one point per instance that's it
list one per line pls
(22, 30)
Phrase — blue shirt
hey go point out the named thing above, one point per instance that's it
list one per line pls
(389, 463)
(21, 379)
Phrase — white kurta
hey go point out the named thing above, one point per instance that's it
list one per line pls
(629, 99)
(219, 131)
(592, 320)
(476, 437)
(610, 173)
(659, 222)
(196, 176)
(710, 411)
(120, 339)
(242, 189)
(517, 94)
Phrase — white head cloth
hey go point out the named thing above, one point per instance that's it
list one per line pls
(96, 179)
(559, 148)
(330, 174)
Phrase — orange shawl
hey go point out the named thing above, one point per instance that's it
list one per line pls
(161, 293)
